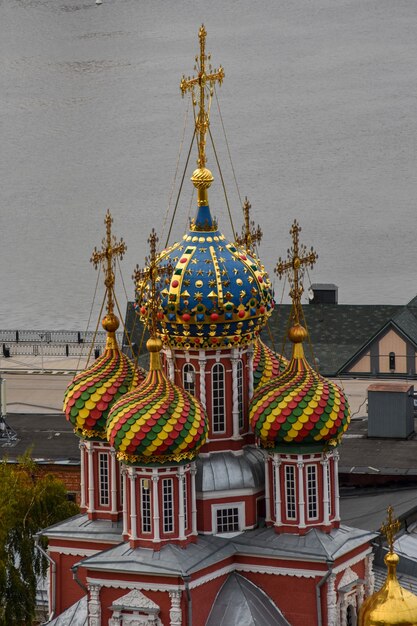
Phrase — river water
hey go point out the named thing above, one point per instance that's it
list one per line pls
(319, 106)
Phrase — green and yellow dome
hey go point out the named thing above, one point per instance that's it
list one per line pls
(266, 364)
(158, 422)
(300, 406)
(92, 392)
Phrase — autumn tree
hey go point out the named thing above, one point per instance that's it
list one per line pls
(29, 501)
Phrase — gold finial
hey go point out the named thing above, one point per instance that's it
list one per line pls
(298, 259)
(390, 528)
(111, 249)
(206, 78)
(147, 279)
(251, 234)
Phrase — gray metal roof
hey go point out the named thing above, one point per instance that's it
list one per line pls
(367, 508)
(225, 470)
(80, 527)
(173, 560)
(241, 602)
(75, 615)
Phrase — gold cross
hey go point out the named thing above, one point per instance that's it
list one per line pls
(202, 80)
(390, 528)
(251, 235)
(298, 259)
(147, 279)
(107, 255)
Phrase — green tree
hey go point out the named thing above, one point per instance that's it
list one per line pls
(29, 501)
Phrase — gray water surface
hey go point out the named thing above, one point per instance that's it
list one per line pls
(319, 105)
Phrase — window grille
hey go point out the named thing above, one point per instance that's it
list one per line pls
(217, 377)
(240, 393)
(290, 491)
(103, 461)
(227, 520)
(145, 504)
(312, 492)
(188, 378)
(167, 499)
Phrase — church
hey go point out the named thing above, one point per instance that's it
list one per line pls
(209, 483)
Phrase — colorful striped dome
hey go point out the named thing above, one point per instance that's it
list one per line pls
(219, 294)
(299, 406)
(92, 392)
(266, 364)
(158, 422)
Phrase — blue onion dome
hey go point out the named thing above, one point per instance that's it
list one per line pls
(158, 422)
(266, 364)
(89, 397)
(218, 295)
(300, 406)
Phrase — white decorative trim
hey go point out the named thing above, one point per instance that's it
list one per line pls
(122, 584)
(75, 551)
(348, 578)
(94, 605)
(227, 493)
(331, 601)
(256, 569)
(175, 613)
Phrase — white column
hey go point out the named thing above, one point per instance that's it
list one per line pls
(369, 575)
(278, 500)
(267, 491)
(82, 474)
(331, 601)
(325, 466)
(171, 367)
(181, 478)
(235, 396)
(155, 505)
(193, 472)
(90, 460)
(336, 486)
(94, 606)
(113, 478)
(124, 479)
(175, 613)
(250, 370)
(202, 363)
(301, 501)
(133, 513)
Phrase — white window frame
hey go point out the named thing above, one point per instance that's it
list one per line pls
(312, 492)
(185, 499)
(189, 386)
(145, 505)
(240, 506)
(168, 505)
(218, 398)
(290, 493)
(103, 479)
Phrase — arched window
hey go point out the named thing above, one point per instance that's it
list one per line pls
(392, 361)
(351, 616)
(145, 505)
(240, 393)
(188, 378)
(217, 385)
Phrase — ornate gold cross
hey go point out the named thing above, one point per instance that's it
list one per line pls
(251, 234)
(147, 280)
(298, 260)
(111, 249)
(390, 528)
(202, 80)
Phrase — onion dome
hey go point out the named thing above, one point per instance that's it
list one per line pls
(218, 296)
(392, 604)
(300, 405)
(90, 395)
(158, 422)
(266, 364)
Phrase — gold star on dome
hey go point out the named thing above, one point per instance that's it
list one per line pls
(111, 249)
(298, 260)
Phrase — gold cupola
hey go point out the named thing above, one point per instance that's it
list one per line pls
(392, 605)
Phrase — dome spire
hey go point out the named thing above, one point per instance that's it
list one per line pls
(251, 234)
(111, 249)
(298, 259)
(205, 81)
